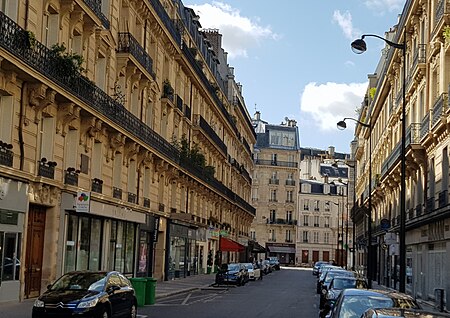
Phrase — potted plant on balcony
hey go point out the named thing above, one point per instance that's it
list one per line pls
(167, 89)
(68, 65)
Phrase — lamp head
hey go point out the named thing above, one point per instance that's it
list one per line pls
(359, 46)
(341, 125)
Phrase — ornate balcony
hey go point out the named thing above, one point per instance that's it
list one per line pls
(276, 163)
(439, 107)
(443, 198)
(46, 168)
(290, 182)
(128, 44)
(132, 198)
(117, 193)
(6, 155)
(210, 133)
(71, 176)
(429, 207)
(146, 203)
(97, 185)
(274, 181)
(425, 126)
(96, 7)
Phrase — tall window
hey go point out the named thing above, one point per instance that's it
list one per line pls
(289, 196)
(289, 216)
(327, 221)
(316, 221)
(10, 8)
(253, 235)
(327, 206)
(274, 158)
(316, 205)
(100, 73)
(9, 254)
(326, 237)
(288, 236)
(306, 204)
(117, 171)
(47, 143)
(305, 236)
(316, 237)
(97, 160)
(273, 196)
(272, 216)
(6, 114)
(51, 27)
(305, 220)
(272, 235)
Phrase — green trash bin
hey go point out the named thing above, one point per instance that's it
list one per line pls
(139, 285)
(150, 291)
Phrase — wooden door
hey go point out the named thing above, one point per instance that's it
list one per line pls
(34, 251)
(326, 256)
(305, 256)
(315, 256)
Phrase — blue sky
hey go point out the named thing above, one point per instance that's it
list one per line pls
(294, 60)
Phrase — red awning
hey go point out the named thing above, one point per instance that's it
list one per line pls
(227, 245)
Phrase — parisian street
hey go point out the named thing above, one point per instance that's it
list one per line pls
(289, 292)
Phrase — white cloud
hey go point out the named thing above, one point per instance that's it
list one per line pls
(329, 103)
(344, 20)
(239, 33)
(381, 6)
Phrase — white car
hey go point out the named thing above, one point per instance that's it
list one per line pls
(253, 272)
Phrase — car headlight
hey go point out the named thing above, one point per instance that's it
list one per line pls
(39, 303)
(88, 303)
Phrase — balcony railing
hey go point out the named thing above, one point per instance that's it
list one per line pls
(43, 60)
(429, 205)
(179, 102)
(128, 44)
(274, 181)
(96, 7)
(440, 105)
(413, 134)
(391, 159)
(207, 129)
(97, 185)
(46, 169)
(6, 157)
(117, 193)
(419, 210)
(246, 146)
(161, 207)
(132, 197)
(146, 203)
(290, 182)
(276, 163)
(187, 112)
(168, 23)
(425, 127)
(71, 178)
(440, 11)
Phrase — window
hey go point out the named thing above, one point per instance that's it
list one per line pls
(9, 256)
(272, 216)
(305, 236)
(100, 73)
(6, 114)
(290, 176)
(253, 235)
(306, 205)
(274, 159)
(327, 221)
(316, 221)
(10, 8)
(289, 196)
(273, 196)
(282, 138)
(121, 247)
(288, 236)
(305, 220)
(51, 27)
(272, 236)
(326, 237)
(316, 205)
(288, 217)
(316, 237)
(327, 206)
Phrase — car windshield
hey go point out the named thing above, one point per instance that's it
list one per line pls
(233, 267)
(331, 275)
(248, 265)
(81, 281)
(356, 305)
(342, 283)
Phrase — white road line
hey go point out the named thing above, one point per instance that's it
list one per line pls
(186, 299)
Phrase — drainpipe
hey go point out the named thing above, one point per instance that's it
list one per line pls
(21, 123)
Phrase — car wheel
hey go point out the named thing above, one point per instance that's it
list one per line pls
(133, 311)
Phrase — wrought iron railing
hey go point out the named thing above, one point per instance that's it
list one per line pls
(46, 170)
(146, 203)
(413, 134)
(187, 112)
(391, 159)
(274, 181)
(168, 23)
(429, 205)
(96, 7)
(207, 129)
(443, 198)
(117, 193)
(161, 207)
(425, 126)
(97, 185)
(6, 157)
(290, 182)
(179, 102)
(440, 105)
(276, 163)
(439, 11)
(128, 44)
(132, 198)
(71, 178)
(419, 210)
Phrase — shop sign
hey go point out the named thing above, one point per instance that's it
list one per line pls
(156, 229)
(83, 201)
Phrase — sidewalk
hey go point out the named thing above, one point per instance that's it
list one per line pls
(426, 305)
(163, 289)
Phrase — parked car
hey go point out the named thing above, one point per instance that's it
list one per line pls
(323, 277)
(232, 273)
(317, 266)
(274, 262)
(332, 274)
(254, 273)
(267, 267)
(354, 302)
(404, 313)
(87, 294)
(338, 284)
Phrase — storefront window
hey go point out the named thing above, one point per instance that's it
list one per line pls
(9, 249)
(72, 231)
(94, 250)
(83, 251)
(122, 244)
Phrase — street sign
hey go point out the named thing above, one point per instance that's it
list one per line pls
(83, 201)
(385, 224)
(390, 238)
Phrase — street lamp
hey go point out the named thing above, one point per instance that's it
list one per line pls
(342, 125)
(359, 46)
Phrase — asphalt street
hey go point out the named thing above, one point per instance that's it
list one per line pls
(287, 293)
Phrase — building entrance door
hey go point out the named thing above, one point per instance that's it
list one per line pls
(34, 251)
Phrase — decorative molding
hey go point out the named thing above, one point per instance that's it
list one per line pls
(67, 117)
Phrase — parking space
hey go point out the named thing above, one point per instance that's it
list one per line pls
(201, 295)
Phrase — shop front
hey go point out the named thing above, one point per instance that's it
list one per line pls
(182, 259)
(148, 237)
(99, 236)
(13, 206)
(284, 252)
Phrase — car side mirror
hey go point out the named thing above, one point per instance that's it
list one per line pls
(49, 286)
(112, 289)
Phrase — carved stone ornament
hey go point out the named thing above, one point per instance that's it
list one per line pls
(91, 129)
(44, 194)
(68, 115)
(42, 101)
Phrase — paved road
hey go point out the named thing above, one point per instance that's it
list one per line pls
(286, 293)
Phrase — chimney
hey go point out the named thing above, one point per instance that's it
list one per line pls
(257, 115)
(331, 151)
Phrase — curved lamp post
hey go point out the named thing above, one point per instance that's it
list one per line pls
(342, 125)
(359, 46)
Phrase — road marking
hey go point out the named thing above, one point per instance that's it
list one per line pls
(186, 299)
(141, 316)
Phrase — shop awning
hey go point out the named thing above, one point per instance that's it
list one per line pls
(282, 249)
(257, 248)
(228, 245)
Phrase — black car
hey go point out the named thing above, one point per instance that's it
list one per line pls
(233, 273)
(338, 284)
(404, 313)
(87, 294)
(354, 302)
(317, 266)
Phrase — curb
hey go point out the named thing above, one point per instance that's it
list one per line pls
(180, 291)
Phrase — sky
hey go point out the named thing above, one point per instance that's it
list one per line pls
(293, 58)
